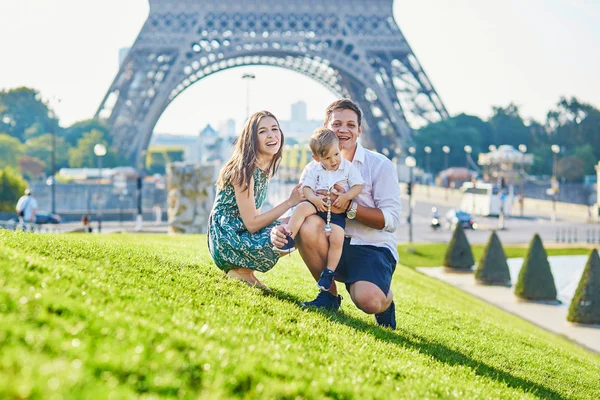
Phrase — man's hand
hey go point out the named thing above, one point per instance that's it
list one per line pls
(278, 235)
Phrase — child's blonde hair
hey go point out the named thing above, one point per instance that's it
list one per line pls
(321, 141)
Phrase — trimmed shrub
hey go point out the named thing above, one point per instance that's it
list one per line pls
(585, 306)
(535, 278)
(492, 268)
(459, 255)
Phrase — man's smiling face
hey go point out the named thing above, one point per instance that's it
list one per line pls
(344, 123)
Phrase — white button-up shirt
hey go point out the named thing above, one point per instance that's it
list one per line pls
(317, 177)
(380, 190)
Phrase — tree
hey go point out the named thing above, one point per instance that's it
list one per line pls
(570, 168)
(492, 268)
(535, 278)
(12, 187)
(446, 132)
(82, 156)
(73, 133)
(585, 306)
(458, 255)
(10, 151)
(41, 148)
(508, 126)
(31, 167)
(23, 113)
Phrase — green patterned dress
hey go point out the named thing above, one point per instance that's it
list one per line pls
(229, 242)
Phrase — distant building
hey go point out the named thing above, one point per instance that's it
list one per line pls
(299, 127)
(227, 128)
(190, 144)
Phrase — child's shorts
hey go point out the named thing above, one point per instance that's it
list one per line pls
(338, 219)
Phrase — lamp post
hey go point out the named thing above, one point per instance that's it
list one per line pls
(99, 151)
(523, 150)
(555, 149)
(446, 150)
(52, 182)
(428, 166)
(468, 150)
(410, 162)
(248, 77)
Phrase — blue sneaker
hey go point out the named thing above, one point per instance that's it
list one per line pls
(326, 279)
(325, 300)
(387, 318)
(286, 248)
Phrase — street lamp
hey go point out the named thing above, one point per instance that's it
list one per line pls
(99, 151)
(428, 166)
(410, 162)
(523, 150)
(412, 150)
(248, 77)
(52, 181)
(555, 149)
(446, 150)
(468, 150)
(492, 148)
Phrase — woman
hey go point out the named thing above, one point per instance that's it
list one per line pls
(238, 233)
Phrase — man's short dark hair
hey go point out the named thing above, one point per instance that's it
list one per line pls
(343, 104)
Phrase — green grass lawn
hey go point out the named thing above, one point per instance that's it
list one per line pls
(122, 316)
(432, 254)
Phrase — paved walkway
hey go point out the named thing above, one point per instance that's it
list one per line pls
(550, 317)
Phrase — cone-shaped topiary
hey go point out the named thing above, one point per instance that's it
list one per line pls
(492, 268)
(585, 306)
(458, 255)
(535, 278)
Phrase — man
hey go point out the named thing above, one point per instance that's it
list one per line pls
(370, 254)
(27, 207)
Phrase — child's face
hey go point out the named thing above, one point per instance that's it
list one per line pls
(331, 159)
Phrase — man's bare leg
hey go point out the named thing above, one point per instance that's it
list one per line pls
(369, 298)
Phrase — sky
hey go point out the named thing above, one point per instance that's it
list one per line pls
(477, 53)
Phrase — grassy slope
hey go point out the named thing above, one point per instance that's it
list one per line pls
(87, 315)
(432, 254)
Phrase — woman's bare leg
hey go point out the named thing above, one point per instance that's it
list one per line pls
(246, 275)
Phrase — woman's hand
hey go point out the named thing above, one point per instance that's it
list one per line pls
(296, 196)
(278, 235)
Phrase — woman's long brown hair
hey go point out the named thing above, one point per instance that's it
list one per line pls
(240, 168)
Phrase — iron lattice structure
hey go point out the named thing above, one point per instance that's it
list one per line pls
(353, 47)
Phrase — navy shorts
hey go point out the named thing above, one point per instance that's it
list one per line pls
(337, 219)
(366, 263)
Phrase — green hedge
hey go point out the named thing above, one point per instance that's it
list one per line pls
(458, 255)
(535, 278)
(492, 268)
(585, 306)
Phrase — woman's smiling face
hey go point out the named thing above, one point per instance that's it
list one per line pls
(268, 137)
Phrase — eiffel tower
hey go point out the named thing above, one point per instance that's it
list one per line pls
(352, 47)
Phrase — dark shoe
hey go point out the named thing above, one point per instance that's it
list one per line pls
(326, 279)
(387, 318)
(286, 248)
(325, 300)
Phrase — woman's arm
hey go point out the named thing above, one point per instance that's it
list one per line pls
(254, 221)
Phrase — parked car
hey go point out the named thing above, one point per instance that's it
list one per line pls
(454, 217)
(41, 218)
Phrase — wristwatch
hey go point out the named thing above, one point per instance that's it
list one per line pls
(351, 214)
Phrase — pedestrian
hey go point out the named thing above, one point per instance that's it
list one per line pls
(238, 233)
(86, 223)
(369, 254)
(26, 209)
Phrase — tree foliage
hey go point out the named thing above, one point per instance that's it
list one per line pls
(82, 156)
(31, 167)
(459, 255)
(23, 114)
(12, 186)
(41, 148)
(492, 268)
(585, 306)
(508, 127)
(535, 278)
(10, 151)
(75, 132)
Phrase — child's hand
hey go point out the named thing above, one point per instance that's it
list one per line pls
(340, 201)
(320, 203)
